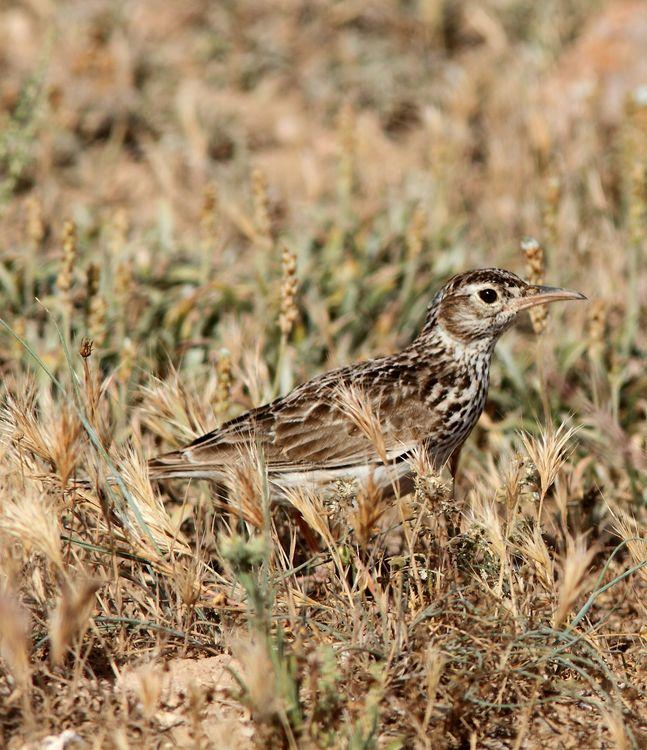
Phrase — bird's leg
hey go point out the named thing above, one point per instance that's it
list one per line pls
(453, 466)
(452, 514)
(307, 533)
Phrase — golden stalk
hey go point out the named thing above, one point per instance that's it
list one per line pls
(535, 270)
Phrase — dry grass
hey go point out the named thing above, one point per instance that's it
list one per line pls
(228, 198)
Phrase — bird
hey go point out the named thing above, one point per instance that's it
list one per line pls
(427, 397)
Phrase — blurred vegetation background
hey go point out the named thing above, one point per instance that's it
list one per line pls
(227, 198)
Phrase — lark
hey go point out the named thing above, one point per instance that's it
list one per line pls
(427, 397)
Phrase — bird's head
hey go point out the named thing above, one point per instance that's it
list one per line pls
(480, 305)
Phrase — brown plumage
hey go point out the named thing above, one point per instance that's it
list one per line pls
(428, 396)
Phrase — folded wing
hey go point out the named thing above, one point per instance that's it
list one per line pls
(313, 429)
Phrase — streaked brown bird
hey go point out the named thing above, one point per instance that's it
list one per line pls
(428, 396)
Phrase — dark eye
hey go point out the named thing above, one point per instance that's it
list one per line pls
(488, 295)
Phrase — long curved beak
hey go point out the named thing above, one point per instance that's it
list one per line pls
(542, 295)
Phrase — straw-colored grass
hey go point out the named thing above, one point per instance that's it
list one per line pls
(204, 204)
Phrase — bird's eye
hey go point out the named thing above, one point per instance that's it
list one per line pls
(488, 295)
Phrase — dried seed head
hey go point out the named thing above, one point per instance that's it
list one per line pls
(597, 325)
(532, 546)
(549, 451)
(633, 145)
(124, 294)
(14, 639)
(188, 580)
(245, 481)
(35, 223)
(210, 227)
(127, 359)
(312, 508)
(162, 533)
(629, 530)
(97, 323)
(91, 282)
(534, 253)
(368, 509)
(261, 205)
(124, 282)
(535, 270)
(289, 284)
(71, 616)
(33, 523)
(64, 281)
(66, 436)
(572, 578)
(95, 307)
(85, 350)
(223, 383)
(357, 406)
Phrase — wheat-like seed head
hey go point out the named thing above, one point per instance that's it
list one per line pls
(532, 546)
(357, 405)
(246, 480)
(313, 510)
(549, 451)
(369, 507)
(536, 269)
(97, 320)
(134, 472)
(223, 383)
(35, 223)
(176, 410)
(71, 615)
(69, 243)
(32, 520)
(289, 312)
(261, 206)
(597, 326)
(629, 530)
(573, 578)
(14, 639)
(48, 430)
(123, 289)
(188, 580)
(484, 514)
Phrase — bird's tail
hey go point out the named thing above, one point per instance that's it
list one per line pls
(173, 465)
(177, 465)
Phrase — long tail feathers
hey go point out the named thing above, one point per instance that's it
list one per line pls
(176, 465)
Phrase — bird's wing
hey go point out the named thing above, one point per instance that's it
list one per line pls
(327, 423)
